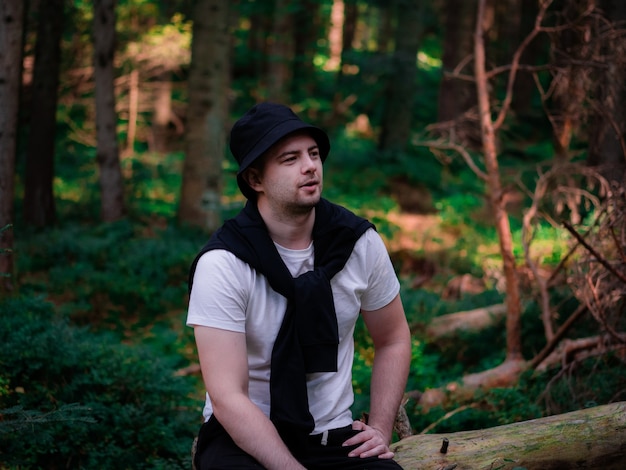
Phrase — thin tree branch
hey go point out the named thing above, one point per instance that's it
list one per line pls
(459, 149)
(591, 250)
(508, 98)
(448, 415)
(560, 333)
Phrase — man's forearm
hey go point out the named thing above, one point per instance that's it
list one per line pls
(253, 432)
(389, 376)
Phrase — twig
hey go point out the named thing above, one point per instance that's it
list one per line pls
(448, 415)
(591, 250)
(515, 65)
(549, 347)
(458, 148)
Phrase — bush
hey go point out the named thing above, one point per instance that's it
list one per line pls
(127, 273)
(95, 403)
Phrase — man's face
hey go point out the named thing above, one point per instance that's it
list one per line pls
(291, 177)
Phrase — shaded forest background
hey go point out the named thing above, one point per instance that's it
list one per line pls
(486, 140)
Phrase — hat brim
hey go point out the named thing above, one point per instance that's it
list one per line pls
(275, 134)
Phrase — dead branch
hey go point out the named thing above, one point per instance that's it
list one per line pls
(556, 338)
(447, 416)
(595, 254)
(576, 350)
(441, 145)
(508, 97)
(544, 183)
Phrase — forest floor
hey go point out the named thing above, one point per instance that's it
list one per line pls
(419, 232)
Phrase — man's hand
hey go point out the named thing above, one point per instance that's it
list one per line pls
(372, 442)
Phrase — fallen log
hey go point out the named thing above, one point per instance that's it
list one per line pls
(475, 320)
(462, 391)
(590, 438)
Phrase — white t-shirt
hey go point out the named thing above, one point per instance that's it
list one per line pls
(228, 294)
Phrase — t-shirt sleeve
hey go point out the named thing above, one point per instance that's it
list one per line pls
(218, 298)
(383, 284)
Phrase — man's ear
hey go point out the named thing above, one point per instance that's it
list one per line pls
(252, 176)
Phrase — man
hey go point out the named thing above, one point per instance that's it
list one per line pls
(274, 297)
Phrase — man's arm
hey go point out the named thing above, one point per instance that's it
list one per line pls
(224, 364)
(392, 343)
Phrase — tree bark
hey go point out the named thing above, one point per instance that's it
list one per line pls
(39, 207)
(464, 390)
(111, 181)
(468, 321)
(607, 146)
(503, 228)
(307, 25)
(11, 26)
(281, 53)
(350, 17)
(162, 113)
(383, 13)
(398, 106)
(456, 96)
(257, 44)
(524, 87)
(589, 438)
(201, 191)
(335, 36)
(133, 112)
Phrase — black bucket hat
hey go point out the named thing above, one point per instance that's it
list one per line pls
(260, 128)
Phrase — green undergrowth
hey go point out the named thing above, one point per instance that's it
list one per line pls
(91, 345)
(72, 398)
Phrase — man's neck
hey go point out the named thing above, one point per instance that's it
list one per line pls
(290, 230)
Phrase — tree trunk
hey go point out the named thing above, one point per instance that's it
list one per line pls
(39, 207)
(506, 30)
(335, 36)
(503, 228)
(111, 181)
(11, 26)
(524, 88)
(281, 53)
(607, 144)
(200, 203)
(162, 114)
(307, 25)
(257, 44)
(351, 15)
(133, 112)
(398, 106)
(383, 14)
(456, 96)
(589, 438)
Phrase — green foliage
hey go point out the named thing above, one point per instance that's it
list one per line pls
(576, 386)
(153, 187)
(71, 398)
(120, 273)
(423, 372)
(133, 411)
(17, 419)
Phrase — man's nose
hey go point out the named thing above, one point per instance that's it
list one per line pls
(308, 164)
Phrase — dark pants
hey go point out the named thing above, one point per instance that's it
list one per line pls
(216, 450)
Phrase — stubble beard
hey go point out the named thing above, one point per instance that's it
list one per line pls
(300, 208)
